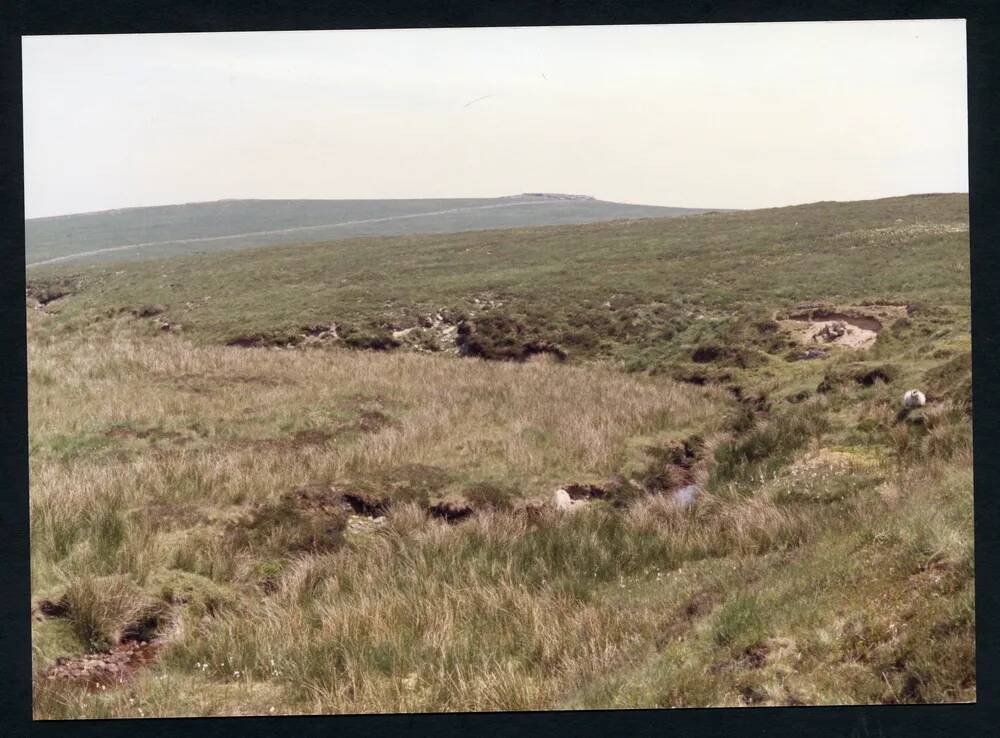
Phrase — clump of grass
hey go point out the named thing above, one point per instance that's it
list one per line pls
(491, 495)
(940, 431)
(766, 447)
(953, 380)
(74, 445)
(284, 527)
(98, 533)
(739, 624)
(200, 596)
(102, 610)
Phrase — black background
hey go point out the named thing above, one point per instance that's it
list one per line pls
(18, 18)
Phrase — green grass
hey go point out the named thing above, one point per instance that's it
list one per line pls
(827, 560)
(739, 624)
(632, 291)
(254, 222)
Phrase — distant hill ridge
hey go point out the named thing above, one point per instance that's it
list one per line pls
(553, 196)
(155, 231)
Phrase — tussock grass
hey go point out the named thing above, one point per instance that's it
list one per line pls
(764, 448)
(102, 609)
(827, 558)
(739, 624)
(503, 611)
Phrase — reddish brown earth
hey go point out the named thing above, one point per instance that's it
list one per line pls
(106, 669)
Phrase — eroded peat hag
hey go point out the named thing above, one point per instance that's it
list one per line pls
(102, 670)
(501, 493)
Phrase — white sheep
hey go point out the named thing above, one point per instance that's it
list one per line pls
(914, 398)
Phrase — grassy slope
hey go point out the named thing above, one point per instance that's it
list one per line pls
(828, 561)
(657, 274)
(60, 236)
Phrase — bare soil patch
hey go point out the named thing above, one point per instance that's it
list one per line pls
(138, 645)
(585, 492)
(110, 668)
(47, 608)
(451, 511)
(148, 311)
(50, 290)
(366, 504)
(865, 322)
(854, 327)
(752, 696)
(837, 332)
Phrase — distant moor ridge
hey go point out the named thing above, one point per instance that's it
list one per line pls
(152, 232)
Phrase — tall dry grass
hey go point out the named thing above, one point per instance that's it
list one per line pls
(121, 420)
(150, 456)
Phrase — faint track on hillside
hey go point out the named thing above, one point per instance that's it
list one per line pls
(296, 229)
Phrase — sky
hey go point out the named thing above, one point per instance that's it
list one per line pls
(706, 115)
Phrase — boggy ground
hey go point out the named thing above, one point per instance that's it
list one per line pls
(828, 559)
(311, 530)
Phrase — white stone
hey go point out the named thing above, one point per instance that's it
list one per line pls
(685, 496)
(562, 500)
(914, 398)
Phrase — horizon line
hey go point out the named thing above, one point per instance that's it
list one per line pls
(568, 196)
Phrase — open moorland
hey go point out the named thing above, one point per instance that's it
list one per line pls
(638, 463)
(224, 225)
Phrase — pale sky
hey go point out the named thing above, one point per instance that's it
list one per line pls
(726, 116)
